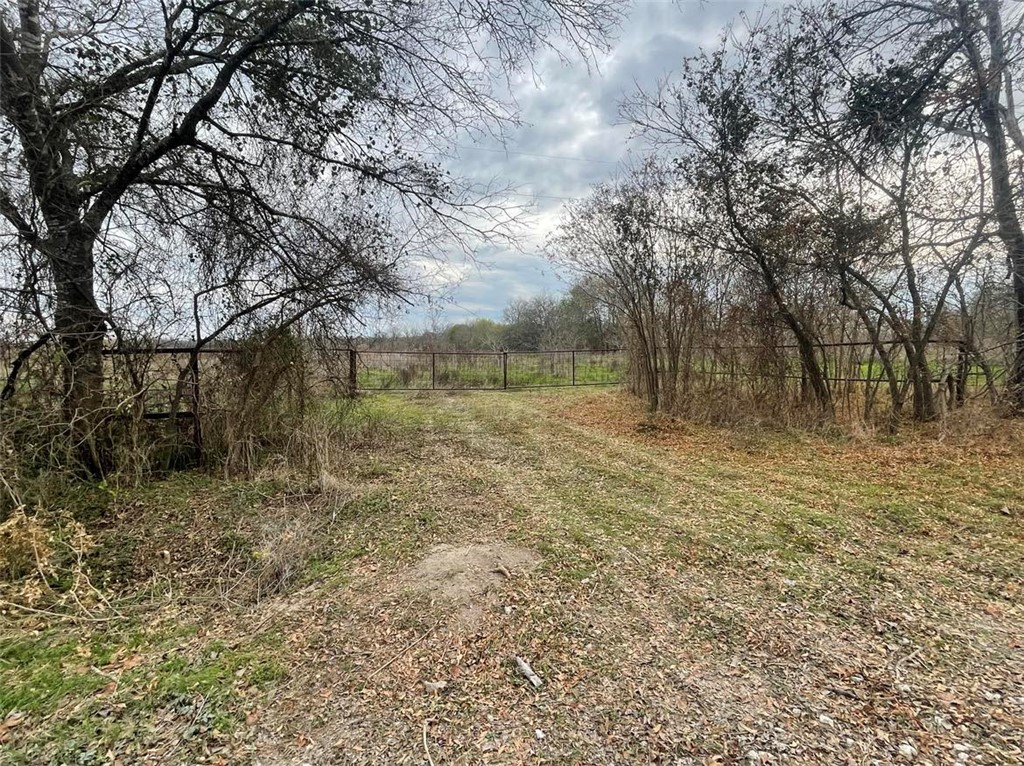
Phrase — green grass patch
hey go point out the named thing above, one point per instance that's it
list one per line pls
(37, 673)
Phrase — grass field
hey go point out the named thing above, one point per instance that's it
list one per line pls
(453, 371)
(699, 596)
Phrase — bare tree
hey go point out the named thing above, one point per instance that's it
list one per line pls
(729, 159)
(961, 61)
(628, 241)
(117, 116)
(821, 170)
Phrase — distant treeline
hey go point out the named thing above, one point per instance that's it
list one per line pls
(575, 320)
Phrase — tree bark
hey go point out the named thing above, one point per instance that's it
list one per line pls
(1012, 236)
(809, 364)
(80, 327)
(921, 383)
(988, 81)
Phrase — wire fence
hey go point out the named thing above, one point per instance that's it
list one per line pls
(846, 365)
(167, 379)
(484, 370)
(172, 396)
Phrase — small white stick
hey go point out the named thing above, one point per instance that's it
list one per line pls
(426, 747)
(527, 672)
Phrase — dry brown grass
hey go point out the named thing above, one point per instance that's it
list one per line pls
(24, 546)
(704, 596)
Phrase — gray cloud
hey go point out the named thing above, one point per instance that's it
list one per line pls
(571, 113)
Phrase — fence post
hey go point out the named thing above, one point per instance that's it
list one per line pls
(352, 384)
(433, 370)
(504, 370)
(574, 367)
(197, 427)
(963, 368)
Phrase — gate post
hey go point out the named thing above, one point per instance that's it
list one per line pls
(352, 372)
(574, 367)
(504, 370)
(433, 370)
(197, 424)
(963, 369)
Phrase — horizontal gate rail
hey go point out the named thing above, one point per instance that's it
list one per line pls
(385, 370)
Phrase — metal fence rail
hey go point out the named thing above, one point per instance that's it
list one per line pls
(372, 370)
(185, 385)
(845, 365)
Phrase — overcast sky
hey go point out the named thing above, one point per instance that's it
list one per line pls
(571, 140)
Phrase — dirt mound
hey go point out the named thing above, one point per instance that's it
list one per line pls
(470, 574)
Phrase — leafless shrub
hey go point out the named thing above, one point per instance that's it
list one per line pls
(294, 533)
(252, 402)
(24, 546)
(43, 569)
(284, 553)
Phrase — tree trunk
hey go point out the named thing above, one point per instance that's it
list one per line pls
(989, 79)
(809, 364)
(921, 384)
(80, 327)
(852, 300)
(1012, 236)
(811, 368)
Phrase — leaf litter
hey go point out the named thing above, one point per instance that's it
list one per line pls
(688, 596)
